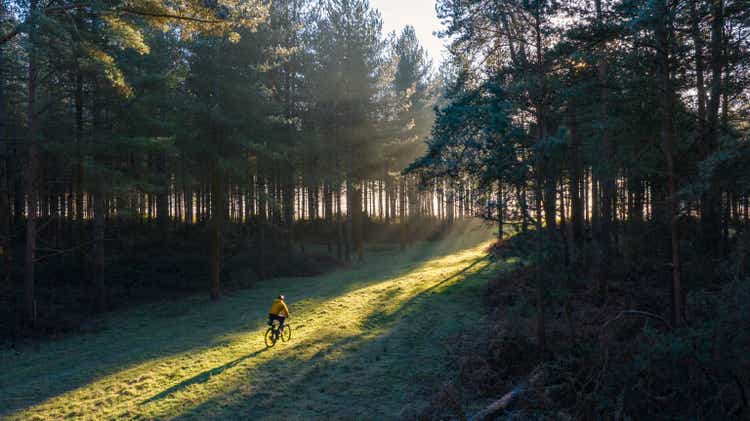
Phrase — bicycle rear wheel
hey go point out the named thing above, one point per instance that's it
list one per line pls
(270, 338)
(286, 333)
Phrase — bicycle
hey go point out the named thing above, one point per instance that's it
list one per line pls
(273, 333)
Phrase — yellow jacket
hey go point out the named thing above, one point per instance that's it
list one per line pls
(279, 308)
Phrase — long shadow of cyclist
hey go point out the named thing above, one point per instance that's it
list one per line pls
(201, 377)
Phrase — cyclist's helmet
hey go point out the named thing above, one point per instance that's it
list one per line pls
(281, 297)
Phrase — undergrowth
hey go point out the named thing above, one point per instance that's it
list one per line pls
(615, 358)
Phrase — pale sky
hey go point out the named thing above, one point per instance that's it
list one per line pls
(418, 13)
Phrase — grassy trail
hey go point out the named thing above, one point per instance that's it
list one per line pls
(368, 340)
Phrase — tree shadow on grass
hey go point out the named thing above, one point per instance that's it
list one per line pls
(383, 317)
(371, 375)
(144, 334)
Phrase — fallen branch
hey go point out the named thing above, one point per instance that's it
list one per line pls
(637, 313)
(509, 398)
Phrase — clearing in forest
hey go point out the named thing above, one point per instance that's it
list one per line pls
(368, 341)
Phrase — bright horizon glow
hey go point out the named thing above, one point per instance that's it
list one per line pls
(418, 13)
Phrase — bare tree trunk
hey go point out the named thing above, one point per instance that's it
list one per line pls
(403, 213)
(606, 178)
(217, 222)
(564, 227)
(358, 217)
(576, 179)
(381, 200)
(539, 270)
(262, 220)
(328, 214)
(349, 222)
(500, 211)
(711, 200)
(250, 199)
(30, 175)
(339, 223)
(312, 203)
(666, 102)
(5, 227)
(699, 76)
(5, 217)
(162, 195)
(541, 192)
(98, 269)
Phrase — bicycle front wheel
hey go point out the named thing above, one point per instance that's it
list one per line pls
(270, 338)
(286, 333)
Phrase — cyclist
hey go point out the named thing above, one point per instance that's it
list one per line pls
(279, 311)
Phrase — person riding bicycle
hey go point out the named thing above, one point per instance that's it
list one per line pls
(279, 311)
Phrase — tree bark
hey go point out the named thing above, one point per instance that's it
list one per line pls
(576, 178)
(500, 211)
(30, 175)
(607, 178)
(162, 195)
(359, 216)
(217, 222)
(339, 223)
(403, 229)
(5, 217)
(663, 32)
(98, 269)
(700, 83)
(542, 194)
(349, 221)
(711, 200)
(262, 220)
(495, 409)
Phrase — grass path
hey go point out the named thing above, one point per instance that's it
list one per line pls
(368, 341)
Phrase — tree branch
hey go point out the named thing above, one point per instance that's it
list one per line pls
(10, 35)
(168, 16)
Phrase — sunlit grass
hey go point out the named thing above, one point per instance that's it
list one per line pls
(367, 341)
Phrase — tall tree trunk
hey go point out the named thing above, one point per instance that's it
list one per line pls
(262, 221)
(663, 32)
(576, 179)
(30, 175)
(349, 219)
(607, 177)
(312, 203)
(339, 223)
(711, 200)
(98, 269)
(249, 199)
(500, 211)
(539, 270)
(636, 202)
(218, 212)
(288, 196)
(524, 208)
(542, 194)
(5, 226)
(328, 214)
(358, 217)
(5, 216)
(381, 200)
(403, 229)
(162, 195)
(450, 205)
(564, 226)
(700, 83)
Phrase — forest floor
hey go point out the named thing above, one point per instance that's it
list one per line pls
(369, 342)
